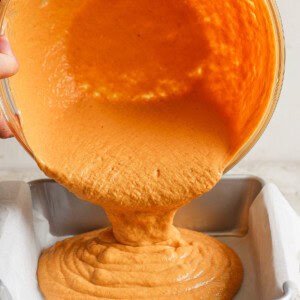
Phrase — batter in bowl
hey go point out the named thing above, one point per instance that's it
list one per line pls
(138, 106)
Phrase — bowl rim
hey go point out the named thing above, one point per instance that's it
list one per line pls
(277, 86)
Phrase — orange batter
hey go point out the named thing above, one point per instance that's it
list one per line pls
(138, 106)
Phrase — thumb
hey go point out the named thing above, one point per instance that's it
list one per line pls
(8, 67)
(8, 63)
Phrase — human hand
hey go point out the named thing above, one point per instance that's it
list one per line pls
(8, 67)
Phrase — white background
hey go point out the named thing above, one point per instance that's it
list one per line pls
(277, 154)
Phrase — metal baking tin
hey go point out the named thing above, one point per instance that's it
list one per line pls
(223, 212)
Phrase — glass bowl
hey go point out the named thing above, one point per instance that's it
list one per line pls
(11, 112)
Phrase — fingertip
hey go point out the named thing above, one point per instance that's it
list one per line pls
(4, 129)
(8, 62)
(5, 135)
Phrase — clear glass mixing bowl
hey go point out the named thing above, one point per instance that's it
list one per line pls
(11, 112)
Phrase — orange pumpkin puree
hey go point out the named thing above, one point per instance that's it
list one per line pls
(139, 106)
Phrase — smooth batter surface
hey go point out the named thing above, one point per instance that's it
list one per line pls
(138, 106)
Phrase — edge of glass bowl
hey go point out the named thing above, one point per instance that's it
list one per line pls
(276, 90)
(7, 105)
(11, 113)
